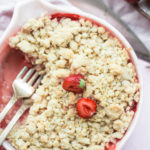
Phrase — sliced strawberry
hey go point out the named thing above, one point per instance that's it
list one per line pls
(86, 108)
(74, 83)
(110, 146)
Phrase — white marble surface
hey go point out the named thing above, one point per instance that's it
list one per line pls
(140, 138)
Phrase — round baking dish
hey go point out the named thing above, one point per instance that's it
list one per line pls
(26, 9)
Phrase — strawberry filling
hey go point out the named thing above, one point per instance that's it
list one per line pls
(110, 146)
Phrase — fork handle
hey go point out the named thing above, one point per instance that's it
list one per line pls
(7, 107)
(18, 114)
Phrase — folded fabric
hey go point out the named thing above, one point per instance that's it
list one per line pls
(135, 20)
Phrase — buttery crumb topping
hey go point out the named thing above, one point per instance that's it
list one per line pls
(62, 48)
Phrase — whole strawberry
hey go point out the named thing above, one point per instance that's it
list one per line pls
(74, 83)
(86, 108)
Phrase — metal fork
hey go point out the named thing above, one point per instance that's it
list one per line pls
(23, 86)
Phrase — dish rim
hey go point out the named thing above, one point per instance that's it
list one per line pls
(68, 8)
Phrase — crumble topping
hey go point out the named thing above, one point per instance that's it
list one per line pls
(59, 49)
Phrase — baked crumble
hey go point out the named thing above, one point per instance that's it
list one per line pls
(59, 48)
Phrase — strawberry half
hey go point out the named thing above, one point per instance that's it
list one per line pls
(86, 108)
(74, 83)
